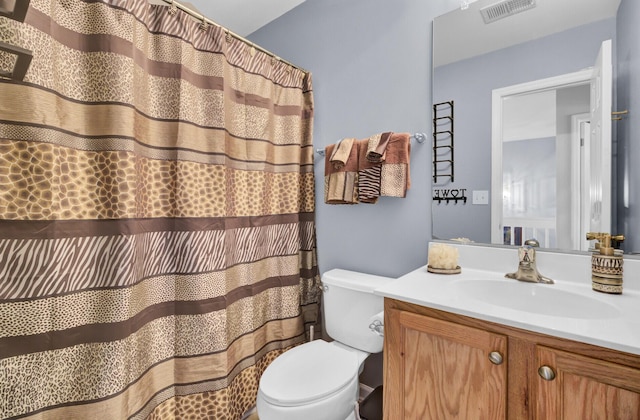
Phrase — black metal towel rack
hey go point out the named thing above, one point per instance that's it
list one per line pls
(443, 141)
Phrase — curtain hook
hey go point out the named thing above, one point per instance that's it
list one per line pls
(173, 9)
(228, 37)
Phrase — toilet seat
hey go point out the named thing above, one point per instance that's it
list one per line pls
(307, 373)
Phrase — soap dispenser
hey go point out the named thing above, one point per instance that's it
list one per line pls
(606, 264)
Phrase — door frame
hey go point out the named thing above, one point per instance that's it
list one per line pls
(580, 176)
(582, 77)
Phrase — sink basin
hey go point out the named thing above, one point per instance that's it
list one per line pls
(535, 298)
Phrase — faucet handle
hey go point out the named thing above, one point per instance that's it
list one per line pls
(527, 254)
(604, 241)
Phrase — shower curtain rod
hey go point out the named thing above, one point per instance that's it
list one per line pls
(203, 18)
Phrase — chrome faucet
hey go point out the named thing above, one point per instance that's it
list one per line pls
(527, 270)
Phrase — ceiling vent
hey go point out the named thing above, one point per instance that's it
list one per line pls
(505, 8)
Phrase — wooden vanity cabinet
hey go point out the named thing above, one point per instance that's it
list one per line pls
(440, 365)
(443, 370)
(586, 388)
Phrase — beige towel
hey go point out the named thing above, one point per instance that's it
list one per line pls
(340, 185)
(377, 146)
(341, 153)
(395, 177)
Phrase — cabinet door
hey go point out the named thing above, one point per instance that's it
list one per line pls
(579, 387)
(441, 370)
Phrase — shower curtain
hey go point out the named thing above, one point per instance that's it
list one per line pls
(157, 236)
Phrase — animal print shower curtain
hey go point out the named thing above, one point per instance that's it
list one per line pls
(157, 238)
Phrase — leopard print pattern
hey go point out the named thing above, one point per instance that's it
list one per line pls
(218, 404)
(8, 35)
(179, 189)
(91, 371)
(23, 317)
(98, 76)
(307, 193)
(394, 180)
(44, 182)
(278, 193)
(238, 320)
(42, 379)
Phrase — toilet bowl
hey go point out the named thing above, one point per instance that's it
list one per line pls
(318, 380)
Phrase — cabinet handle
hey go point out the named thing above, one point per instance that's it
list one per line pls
(495, 357)
(546, 373)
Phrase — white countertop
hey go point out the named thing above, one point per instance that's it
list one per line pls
(568, 309)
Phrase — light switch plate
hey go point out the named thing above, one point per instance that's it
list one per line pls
(480, 197)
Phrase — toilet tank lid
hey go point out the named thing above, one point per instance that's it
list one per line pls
(354, 280)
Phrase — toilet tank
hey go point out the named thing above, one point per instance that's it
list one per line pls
(349, 303)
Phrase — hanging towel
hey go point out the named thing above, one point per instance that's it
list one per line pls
(341, 153)
(376, 147)
(369, 175)
(340, 184)
(395, 172)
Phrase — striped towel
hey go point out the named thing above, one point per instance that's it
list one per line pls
(369, 175)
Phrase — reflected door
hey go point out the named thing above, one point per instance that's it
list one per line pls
(600, 155)
(513, 195)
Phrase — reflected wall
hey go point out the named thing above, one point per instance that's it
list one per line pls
(470, 83)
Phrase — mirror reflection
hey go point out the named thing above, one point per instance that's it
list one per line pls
(525, 128)
(553, 140)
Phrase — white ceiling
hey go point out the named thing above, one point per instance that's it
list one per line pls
(241, 16)
(462, 33)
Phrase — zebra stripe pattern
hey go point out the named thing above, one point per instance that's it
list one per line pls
(369, 183)
(47, 267)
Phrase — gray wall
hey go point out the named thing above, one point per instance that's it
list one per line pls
(371, 66)
(470, 83)
(628, 130)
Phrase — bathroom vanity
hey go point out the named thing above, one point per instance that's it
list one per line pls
(442, 365)
(478, 346)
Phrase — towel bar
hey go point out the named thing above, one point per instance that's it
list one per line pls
(419, 137)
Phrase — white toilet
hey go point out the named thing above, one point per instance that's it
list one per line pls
(318, 380)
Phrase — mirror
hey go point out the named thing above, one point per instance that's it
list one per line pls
(555, 38)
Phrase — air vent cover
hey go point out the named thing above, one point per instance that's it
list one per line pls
(505, 8)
